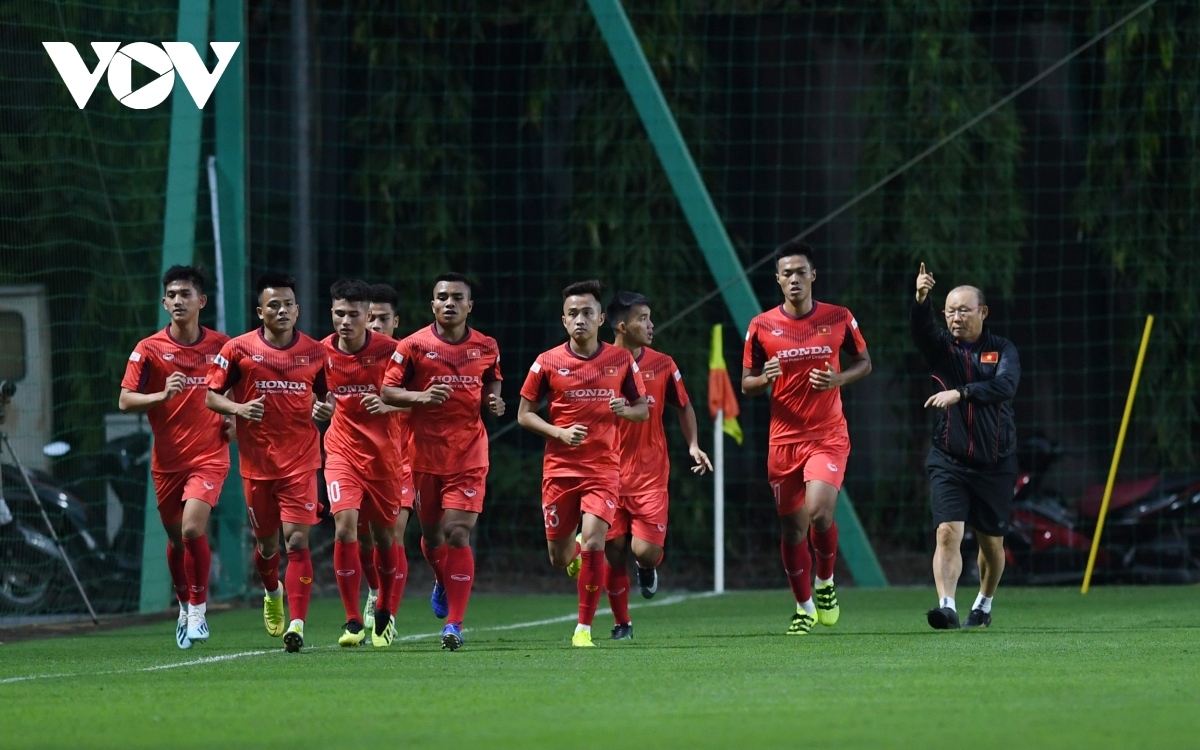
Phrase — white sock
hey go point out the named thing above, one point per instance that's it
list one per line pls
(983, 602)
(581, 628)
(278, 592)
(818, 583)
(183, 609)
(807, 606)
(294, 623)
(199, 609)
(948, 601)
(372, 592)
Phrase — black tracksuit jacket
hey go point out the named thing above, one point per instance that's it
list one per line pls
(979, 430)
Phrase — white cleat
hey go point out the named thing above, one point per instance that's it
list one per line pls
(181, 631)
(197, 627)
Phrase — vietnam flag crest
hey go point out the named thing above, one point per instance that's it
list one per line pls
(989, 358)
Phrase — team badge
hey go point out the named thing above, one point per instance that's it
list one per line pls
(610, 371)
(647, 375)
(368, 361)
(989, 358)
(210, 359)
(824, 330)
(301, 359)
(473, 354)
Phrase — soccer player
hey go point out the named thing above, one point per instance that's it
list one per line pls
(272, 380)
(972, 462)
(590, 386)
(645, 467)
(793, 350)
(363, 464)
(165, 377)
(446, 373)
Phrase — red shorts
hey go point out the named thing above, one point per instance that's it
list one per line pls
(437, 492)
(273, 502)
(791, 465)
(172, 488)
(644, 516)
(378, 500)
(565, 499)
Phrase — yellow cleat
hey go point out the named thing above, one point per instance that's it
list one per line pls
(273, 613)
(384, 638)
(575, 565)
(826, 600)
(582, 639)
(802, 622)
(352, 634)
(293, 639)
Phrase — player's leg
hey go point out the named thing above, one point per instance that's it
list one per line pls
(263, 512)
(392, 566)
(428, 504)
(461, 501)
(366, 563)
(197, 561)
(598, 507)
(168, 491)
(821, 499)
(649, 528)
(297, 500)
(785, 471)
(346, 563)
(616, 575)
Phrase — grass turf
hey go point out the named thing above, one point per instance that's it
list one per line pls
(1117, 668)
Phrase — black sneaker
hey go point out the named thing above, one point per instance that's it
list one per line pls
(942, 618)
(623, 632)
(978, 619)
(647, 581)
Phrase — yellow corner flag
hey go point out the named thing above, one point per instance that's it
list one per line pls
(720, 389)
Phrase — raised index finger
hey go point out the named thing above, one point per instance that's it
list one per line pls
(922, 268)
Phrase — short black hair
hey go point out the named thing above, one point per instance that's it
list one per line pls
(190, 274)
(622, 304)
(351, 290)
(274, 281)
(384, 294)
(795, 247)
(591, 286)
(455, 276)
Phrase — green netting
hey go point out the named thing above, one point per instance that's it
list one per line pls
(499, 139)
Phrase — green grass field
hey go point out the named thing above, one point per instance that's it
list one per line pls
(1118, 668)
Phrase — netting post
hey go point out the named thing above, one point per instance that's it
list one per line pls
(229, 25)
(179, 236)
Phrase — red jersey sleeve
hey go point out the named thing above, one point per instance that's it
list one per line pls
(632, 387)
(536, 385)
(854, 341)
(492, 374)
(677, 395)
(753, 355)
(400, 370)
(224, 373)
(137, 370)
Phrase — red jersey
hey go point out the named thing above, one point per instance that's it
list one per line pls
(448, 438)
(286, 441)
(186, 433)
(798, 412)
(371, 442)
(645, 465)
(579, 390)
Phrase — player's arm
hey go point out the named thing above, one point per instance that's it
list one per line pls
(492, 400)
(225, 406)
(826, 379)
(375, 405)
(691, 433)
(528, 417)
(756, 381)
(322, 408)
(637, 411)
(132, 402)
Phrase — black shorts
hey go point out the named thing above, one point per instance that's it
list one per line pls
(981, 496)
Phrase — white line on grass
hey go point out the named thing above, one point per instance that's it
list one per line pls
(666, 601)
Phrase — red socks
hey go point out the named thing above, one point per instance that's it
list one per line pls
(460, 574)
(825, 545)
(437, 560)
(178, 568)
(797, 563)
(366, 563)
(197, 560)
(349, 576)
(591, 581)
(268, 570)
(393, 573)
(617, 584)
(299, 583)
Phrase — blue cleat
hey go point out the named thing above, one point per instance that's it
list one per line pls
(452, 639)
(438, 602)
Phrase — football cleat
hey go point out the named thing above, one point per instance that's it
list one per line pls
(452, 639)
(293, 639)
(802, 622)
(197, 627)
(582, 639)
(978, 619)
(438, 601)
(181, 631)
(384, 631)
(576, 564)
(826, 599)
(647, 581)
(623, 632)
(353, 634)
(368, 620)
(942, 618)
(273, 613)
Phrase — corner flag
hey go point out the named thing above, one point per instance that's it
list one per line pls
(720, 390)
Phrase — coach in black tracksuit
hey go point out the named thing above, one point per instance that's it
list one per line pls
(972, 465)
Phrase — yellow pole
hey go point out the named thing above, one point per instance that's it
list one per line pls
(1112, 469)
